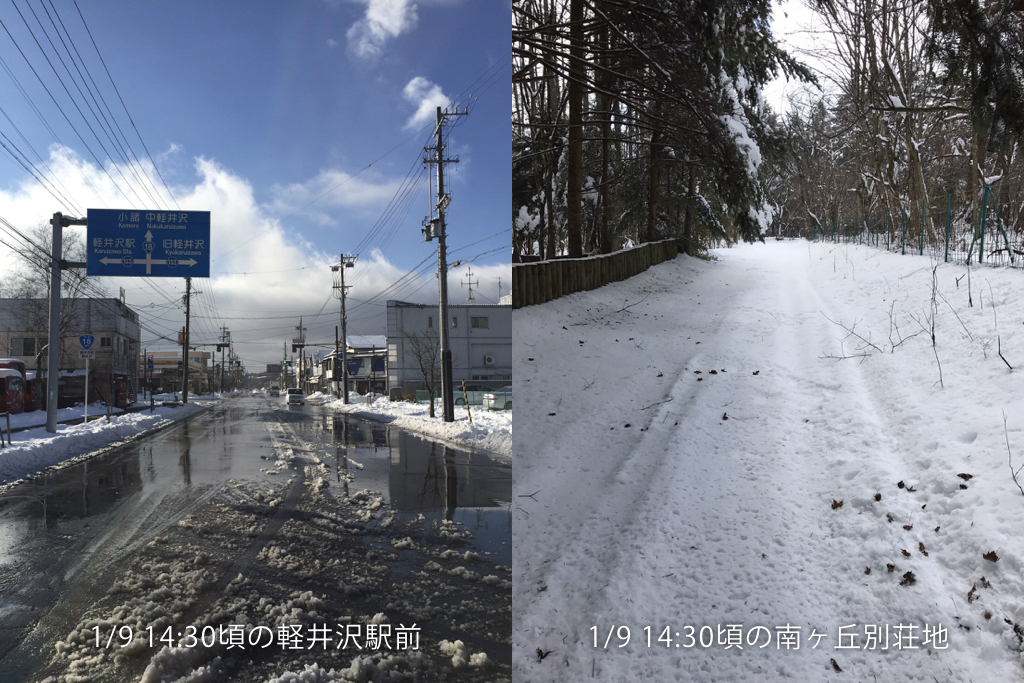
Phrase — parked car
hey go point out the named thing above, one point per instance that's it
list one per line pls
(296, 396)
(498, 400)
(474, 392)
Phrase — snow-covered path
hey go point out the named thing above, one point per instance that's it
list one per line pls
(686, 438)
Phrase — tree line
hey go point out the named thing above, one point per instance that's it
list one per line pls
(644, 119)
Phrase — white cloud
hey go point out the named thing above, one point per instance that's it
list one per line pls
(427, 97)
(332, 43)
(332, 189)
(383, 19)
(263, 273)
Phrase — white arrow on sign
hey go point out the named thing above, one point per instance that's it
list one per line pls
(149, 261)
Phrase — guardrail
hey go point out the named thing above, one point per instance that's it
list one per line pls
(543, 281)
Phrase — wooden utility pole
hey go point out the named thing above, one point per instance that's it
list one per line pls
(339, 291)
(184, 358)
(436, 228)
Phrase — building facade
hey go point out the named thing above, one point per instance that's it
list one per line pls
(166, 375)
(367, 367)
(113, 373)
(480, 338)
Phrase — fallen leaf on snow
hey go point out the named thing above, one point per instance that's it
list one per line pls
(991, 556)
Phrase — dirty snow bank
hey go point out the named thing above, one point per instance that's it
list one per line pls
(490, 430)
(36, 449)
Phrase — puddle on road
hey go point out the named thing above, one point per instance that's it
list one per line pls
(206, 450)
(421, 477)
(315, 546)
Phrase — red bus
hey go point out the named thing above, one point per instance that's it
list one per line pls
(12, 398)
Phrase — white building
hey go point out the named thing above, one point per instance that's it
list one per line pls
(480, 337)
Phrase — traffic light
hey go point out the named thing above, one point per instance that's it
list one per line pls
(285, 363)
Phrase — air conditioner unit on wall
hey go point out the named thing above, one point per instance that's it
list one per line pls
(488, 360)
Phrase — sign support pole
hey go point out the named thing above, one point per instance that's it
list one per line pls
(58, 222)
(86, 391)
(53, 352)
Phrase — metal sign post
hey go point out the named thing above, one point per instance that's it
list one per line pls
(86, 353)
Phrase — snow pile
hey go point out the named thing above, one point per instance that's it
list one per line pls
(769, 470)
(36, 449)
(457, 651)
(490, 430)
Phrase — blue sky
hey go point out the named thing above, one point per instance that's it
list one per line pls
(299, 125)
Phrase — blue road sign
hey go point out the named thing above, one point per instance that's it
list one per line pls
(86, 341)
(130, 243)
(149, 363)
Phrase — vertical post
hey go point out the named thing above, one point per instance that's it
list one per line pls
(981, 225)
(337, 358)
(344, 337)
(949, 210)
(53, 354)
(184, 358)
(903, 247)
(922, 226)
(86, 421)
(447, 403)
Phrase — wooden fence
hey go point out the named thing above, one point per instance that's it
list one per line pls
(538, 283)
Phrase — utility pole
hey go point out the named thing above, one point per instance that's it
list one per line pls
(300, 343)
(437, 229)
(499, 290)
(184, 359)
(339, 292)
(58, 222)
(337, 358)
(224, 336)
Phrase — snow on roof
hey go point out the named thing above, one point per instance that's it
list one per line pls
(360, 341)
(9, 372)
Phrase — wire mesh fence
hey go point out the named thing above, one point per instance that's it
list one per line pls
(939, 228)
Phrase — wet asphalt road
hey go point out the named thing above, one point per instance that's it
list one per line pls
(66, 536)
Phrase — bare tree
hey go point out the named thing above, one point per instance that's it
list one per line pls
(426, 352)
(27, 284)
